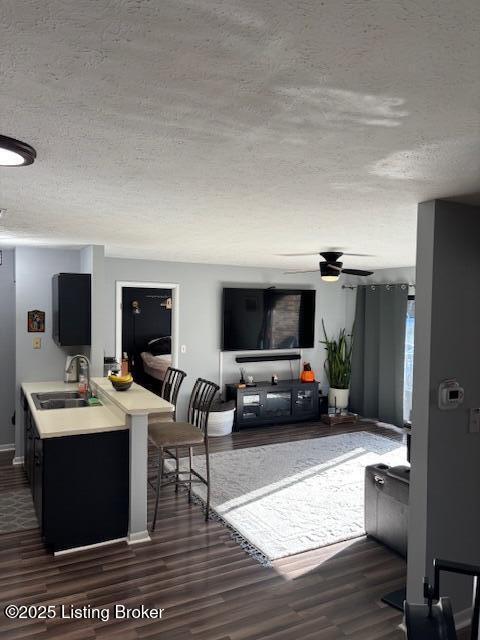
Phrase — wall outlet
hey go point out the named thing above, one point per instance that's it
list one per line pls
(474, 424)
(37, 343)
(183, 348)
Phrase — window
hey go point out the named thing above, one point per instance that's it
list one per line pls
(408, 366)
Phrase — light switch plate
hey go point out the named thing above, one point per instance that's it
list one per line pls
(183, 348)
(37, 343)
(474, 424)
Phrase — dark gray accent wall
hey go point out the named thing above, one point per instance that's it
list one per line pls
(7, 346)
(445, 482)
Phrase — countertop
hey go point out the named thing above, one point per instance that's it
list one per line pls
(135, 401)
(53, 423)
(110, 416)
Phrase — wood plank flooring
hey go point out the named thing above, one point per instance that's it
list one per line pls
(210, 589)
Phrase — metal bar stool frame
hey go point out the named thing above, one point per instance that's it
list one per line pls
(201, 399)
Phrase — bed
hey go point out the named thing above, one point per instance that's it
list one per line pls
(157, 357)
(156, 366)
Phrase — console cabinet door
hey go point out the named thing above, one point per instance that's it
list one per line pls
(277, 404)
(250, 405)
(304, 400)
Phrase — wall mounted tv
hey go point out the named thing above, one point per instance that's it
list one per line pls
(268, 319)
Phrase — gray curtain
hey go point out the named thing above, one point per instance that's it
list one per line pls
(376, 389)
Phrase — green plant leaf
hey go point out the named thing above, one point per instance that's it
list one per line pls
(338, 361)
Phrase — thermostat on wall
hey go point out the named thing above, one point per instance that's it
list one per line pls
(450, 394)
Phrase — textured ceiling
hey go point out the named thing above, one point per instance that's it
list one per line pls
(228, 131)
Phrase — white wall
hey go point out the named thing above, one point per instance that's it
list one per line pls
(34, 269)
(7, 346)
(200, 288)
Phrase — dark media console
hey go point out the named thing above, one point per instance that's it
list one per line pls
(268, 404)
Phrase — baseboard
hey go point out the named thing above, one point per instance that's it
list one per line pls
(18, 460)
(89, 546)
(7, 447)
(138, 537)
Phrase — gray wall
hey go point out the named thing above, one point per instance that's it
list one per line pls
(34, 269)
(444, 489)
(7, 346)
(200, 312)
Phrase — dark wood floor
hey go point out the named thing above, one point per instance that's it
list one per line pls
(210, 589)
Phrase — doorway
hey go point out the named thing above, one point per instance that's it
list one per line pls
(146, 330)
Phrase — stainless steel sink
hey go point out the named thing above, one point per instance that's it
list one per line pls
(65, 395)
(59, 400)
(58, 403)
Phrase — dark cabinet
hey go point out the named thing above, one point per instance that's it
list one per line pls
(28, 441)
(85, 489)
(37, 475)
(80, 486)
(287, 401)
(71, 309)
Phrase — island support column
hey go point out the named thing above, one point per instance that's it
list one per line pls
(137, 526)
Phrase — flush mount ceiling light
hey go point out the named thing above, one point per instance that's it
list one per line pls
(14, 153)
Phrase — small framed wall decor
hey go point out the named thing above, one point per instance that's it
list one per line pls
(36, 321)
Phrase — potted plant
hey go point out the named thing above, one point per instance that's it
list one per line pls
(338, 367)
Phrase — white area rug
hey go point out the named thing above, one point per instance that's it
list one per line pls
(291, 497)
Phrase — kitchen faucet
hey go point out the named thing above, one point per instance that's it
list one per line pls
(69, 369)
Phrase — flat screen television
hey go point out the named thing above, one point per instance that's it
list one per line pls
(268, 319)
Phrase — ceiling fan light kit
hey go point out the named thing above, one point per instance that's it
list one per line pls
(330, 271)
(15, 153)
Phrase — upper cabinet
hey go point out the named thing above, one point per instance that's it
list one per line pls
(72, 309)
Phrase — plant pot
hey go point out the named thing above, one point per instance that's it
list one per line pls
(338, 398)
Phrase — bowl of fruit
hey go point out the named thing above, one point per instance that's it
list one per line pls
(121, 383)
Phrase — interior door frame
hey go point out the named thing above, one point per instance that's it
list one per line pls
(120, 285)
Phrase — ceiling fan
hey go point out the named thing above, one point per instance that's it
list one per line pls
(330, 267)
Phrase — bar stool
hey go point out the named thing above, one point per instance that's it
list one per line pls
(170, 389)
(168, 435)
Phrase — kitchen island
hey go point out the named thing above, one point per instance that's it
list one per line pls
(87, 465)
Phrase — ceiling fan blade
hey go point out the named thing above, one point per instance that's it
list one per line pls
(360, 255)
(357, 272)
(332, 266)
(303, 271)
(293, 255)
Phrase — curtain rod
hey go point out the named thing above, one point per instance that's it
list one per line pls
(378, 284)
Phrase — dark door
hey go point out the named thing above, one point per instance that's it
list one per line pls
(146, 315)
